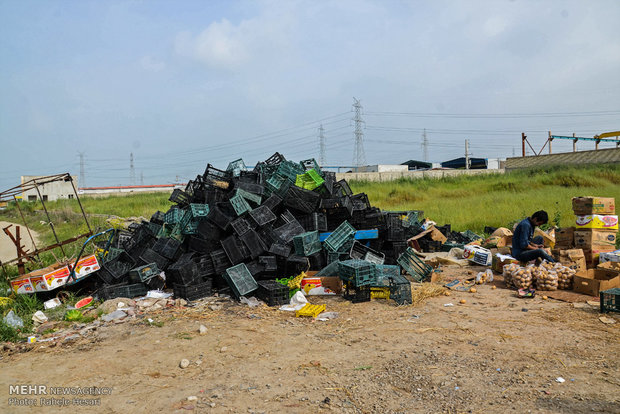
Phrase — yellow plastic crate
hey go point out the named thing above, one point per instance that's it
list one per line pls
(310, 310)
(379, 292)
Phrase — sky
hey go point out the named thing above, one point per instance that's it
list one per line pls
(180, 84)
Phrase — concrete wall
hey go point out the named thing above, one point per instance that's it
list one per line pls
(411, 175)
(128, 190)
(50, 191)
(602, 156)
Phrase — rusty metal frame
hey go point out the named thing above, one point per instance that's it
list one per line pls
(11, 195)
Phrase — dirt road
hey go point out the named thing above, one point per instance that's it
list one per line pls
(494, 354)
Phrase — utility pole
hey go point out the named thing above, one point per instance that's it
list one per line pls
(425, 145)
(321, 146)
(467, 161)
(359, 157)
(132, 170)
(141, 178)
(513, 152)
(82, 172)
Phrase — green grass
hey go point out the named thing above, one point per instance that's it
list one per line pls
(473, 202)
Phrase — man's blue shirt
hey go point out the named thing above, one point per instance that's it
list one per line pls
(522, 236)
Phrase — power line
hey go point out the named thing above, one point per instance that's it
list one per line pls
(497, 115)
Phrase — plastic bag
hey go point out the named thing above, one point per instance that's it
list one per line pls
(13, 320)
(252, 302)
(484, 277)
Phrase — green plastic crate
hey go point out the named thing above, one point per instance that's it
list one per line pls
(255, 198)
(413, 265)
(336, 240)
(357, 272)
(309, 180)
(307, 244)
(240, 280)
(290, 170)
(240, 205)
(199, 211)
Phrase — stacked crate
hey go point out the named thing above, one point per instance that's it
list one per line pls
(596, 226)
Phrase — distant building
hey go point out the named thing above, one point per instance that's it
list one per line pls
(51, 191)
(417, 165)
(381, 168)
(459, 163)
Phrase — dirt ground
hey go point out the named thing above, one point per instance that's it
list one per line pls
(494, 354)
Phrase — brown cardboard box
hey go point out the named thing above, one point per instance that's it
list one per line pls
(501, 232)
(548, 238)
(592, 255)
(594, 205)
(592, 281)
(498, 264)
(573, 258)
(564, 238)
(610, 266)
(595, 239)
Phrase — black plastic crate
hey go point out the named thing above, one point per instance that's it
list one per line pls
(253, 243)
(150, 256)
(179, 196)
(287, 231)
(362, 252)
(250, 187)
(250, 177)
(301, 199)
(400, 290)
(270, 263)
(113, 270)
(240, 226)
(610, 300)
(208, 231)
(272, 293)
(262, 216)
(275, 159)
(294, 265)
(122, 291)
(193, 292)
(167, 247)
(222, 214)
(205, 265)
(357, 294)
(198, 244)
(330, 180)
(234, 249)
(318, 260)
(216, 178)
(343, 187)
(314, 221)
(280, 249)
(221, 262)
(157, 217)
(144, 273)
(183, 272)
(360, 201)
(272, 202)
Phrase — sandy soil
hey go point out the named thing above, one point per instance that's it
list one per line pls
(494, 354)
(7, 247)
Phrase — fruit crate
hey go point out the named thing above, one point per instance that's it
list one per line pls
(275, 159)
(193, 292)
(310, 164)
(272, 202)
(309, 180)
(314, 221)
(254, 198)
(290, 170)
(395, 227)
(112, 252)
(216, 178)
(272, 293)
(253, 243)
(262, 215)
(220, 260)
(144, 273)
(173, 215)
(288, 231)
(310, 310)
(360, 201)
(356, 294)
(270, 263)
(251, 187)
(357, 272)
(400, 290)
(158, 217)
(344, 188)
(234, 249)
(240, 204)
(280, 249)
(361, 252)
(150, 256)
(301, 200)
(385, 273)
(278, 184)
(330, 180)
(240, 226)
(610, 300)
(235, 167)
(179, 196)
(413, 265)
(199, 211)
(167, 247)
(240, 280)
(306, 244)
(318, 260)
(343, 233)
(205, 265)
(209, 231)
(113, 270)
(183, 272)
(122, 291)
(222, 214)
(327, 203)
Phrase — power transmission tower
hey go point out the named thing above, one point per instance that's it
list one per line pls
(132, 170)
(141, 178)
(82, 172)
(467, 154)
(425, 145)
(359, 157)
(321, 146)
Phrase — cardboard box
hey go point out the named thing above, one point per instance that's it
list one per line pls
(478, 255)
(498, 241)
(596, 221)
(501, 232)
(548, 238)
(595, 239)
(320, 286)
(592, 255)
(564, 238)
(609, 257)
(594, 205)
(592, 281)
(573, 258)
(610, 266)
(500, 260)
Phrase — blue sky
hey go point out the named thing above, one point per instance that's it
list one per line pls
(184, 83)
